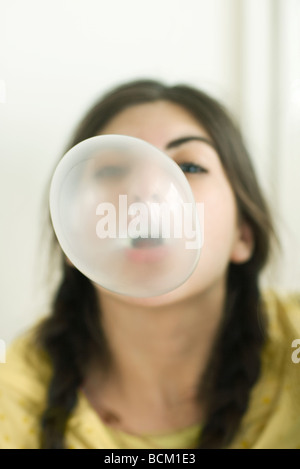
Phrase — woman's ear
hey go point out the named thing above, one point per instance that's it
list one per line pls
(244, 244)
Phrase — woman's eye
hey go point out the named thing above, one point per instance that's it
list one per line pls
(110, 172)
(192, 168)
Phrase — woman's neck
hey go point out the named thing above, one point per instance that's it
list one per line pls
(160, 352)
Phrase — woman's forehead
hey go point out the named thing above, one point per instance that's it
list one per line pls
(158, 122)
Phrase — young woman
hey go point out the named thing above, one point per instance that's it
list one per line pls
(208, 365)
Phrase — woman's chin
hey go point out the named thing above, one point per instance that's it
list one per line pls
(178, 294)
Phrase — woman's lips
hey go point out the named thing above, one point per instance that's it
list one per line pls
(147, 250)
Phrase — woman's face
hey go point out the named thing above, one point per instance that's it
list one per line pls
(177, 133)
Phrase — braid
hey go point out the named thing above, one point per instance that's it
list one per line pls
(235, 364)
(68, 337)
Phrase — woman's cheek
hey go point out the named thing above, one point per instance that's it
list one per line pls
(219, 221)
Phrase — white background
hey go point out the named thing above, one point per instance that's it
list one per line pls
(58, 56)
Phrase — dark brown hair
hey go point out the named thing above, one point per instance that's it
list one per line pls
(72, 333)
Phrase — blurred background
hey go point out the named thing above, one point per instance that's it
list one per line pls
(58, 56)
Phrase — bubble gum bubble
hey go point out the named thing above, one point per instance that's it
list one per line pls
(124, 214)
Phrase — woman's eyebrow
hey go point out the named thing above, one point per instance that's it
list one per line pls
(183, 140)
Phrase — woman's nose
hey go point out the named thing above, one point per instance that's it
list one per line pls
(147, 185)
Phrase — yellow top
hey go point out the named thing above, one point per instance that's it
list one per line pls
(271, 422)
